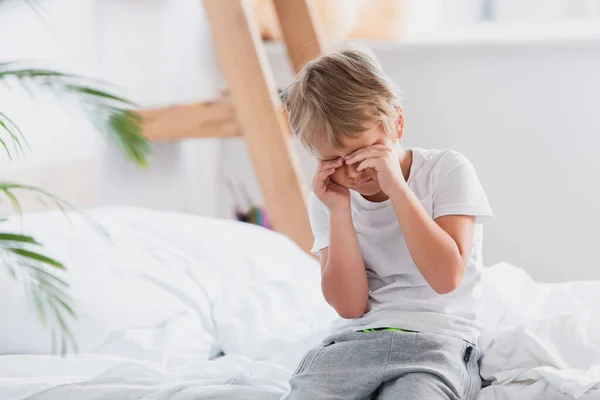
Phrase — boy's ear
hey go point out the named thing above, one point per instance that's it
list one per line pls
(400, 123)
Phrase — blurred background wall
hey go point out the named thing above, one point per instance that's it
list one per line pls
(513, 85)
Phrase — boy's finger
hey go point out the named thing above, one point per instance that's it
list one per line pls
(372, 147)
(366, 154)
(324, 173)
(355, 153)
(368, 163)
(331, 163)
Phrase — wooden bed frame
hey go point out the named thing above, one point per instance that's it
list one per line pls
(252, 108)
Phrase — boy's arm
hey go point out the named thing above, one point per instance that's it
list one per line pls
(343, 276)
(440, 248)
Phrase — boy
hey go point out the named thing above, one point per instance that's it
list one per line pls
(399, 235)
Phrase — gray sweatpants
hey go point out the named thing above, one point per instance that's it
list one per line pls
(388, 365)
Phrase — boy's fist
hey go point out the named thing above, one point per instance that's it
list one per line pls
(384, 160)
(330, 193)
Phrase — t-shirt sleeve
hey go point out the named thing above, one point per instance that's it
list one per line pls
(458, 190)
(319, 223)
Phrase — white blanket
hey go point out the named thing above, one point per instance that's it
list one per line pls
(172, 290)
(96, 377)
(541, 341)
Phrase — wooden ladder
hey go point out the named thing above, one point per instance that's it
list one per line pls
(253, 108)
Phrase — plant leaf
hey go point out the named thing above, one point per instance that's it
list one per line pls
(11, 270)
(62, 204)
(66, 306)
(46, 276)
(15, 203)
(39, 303)
(67, 335)
(54, 289)
(11, 131)
(38, 257)
(15, 237)
(7, 186)
(6, 149)
(131, 141)
(98, 93)
(47, 292)
(112, 114)
(16, 128)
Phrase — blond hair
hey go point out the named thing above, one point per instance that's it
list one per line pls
(340, 95)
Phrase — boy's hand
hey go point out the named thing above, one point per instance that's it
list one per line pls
(384, 160)
(326, 190)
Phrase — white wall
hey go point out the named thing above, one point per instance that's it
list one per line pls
(60, 139)
(158, 53)
(57, 40)
(526, 115)
(161, 54)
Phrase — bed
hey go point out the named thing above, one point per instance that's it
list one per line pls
(175, 306)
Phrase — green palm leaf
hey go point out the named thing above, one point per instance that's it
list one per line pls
(14, 133)
(15, 237)
(37, 257)
(23, 258)
(21, 254)
(47, 292)
(111, 114)
(9, 188)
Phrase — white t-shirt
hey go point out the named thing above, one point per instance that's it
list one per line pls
(399, 297)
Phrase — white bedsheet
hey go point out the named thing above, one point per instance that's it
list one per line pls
(541, 341)
(188, 296)
(95, 377)
(545, 347)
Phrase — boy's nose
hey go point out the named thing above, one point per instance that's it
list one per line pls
(352, 172)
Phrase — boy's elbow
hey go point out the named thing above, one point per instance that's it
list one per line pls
(446, 287)
(350, 313)
(449, 283)
(348, 309)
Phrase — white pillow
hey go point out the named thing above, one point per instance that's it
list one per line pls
(134, 295)
(273, 299)
(265, 291)
(211, 282)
